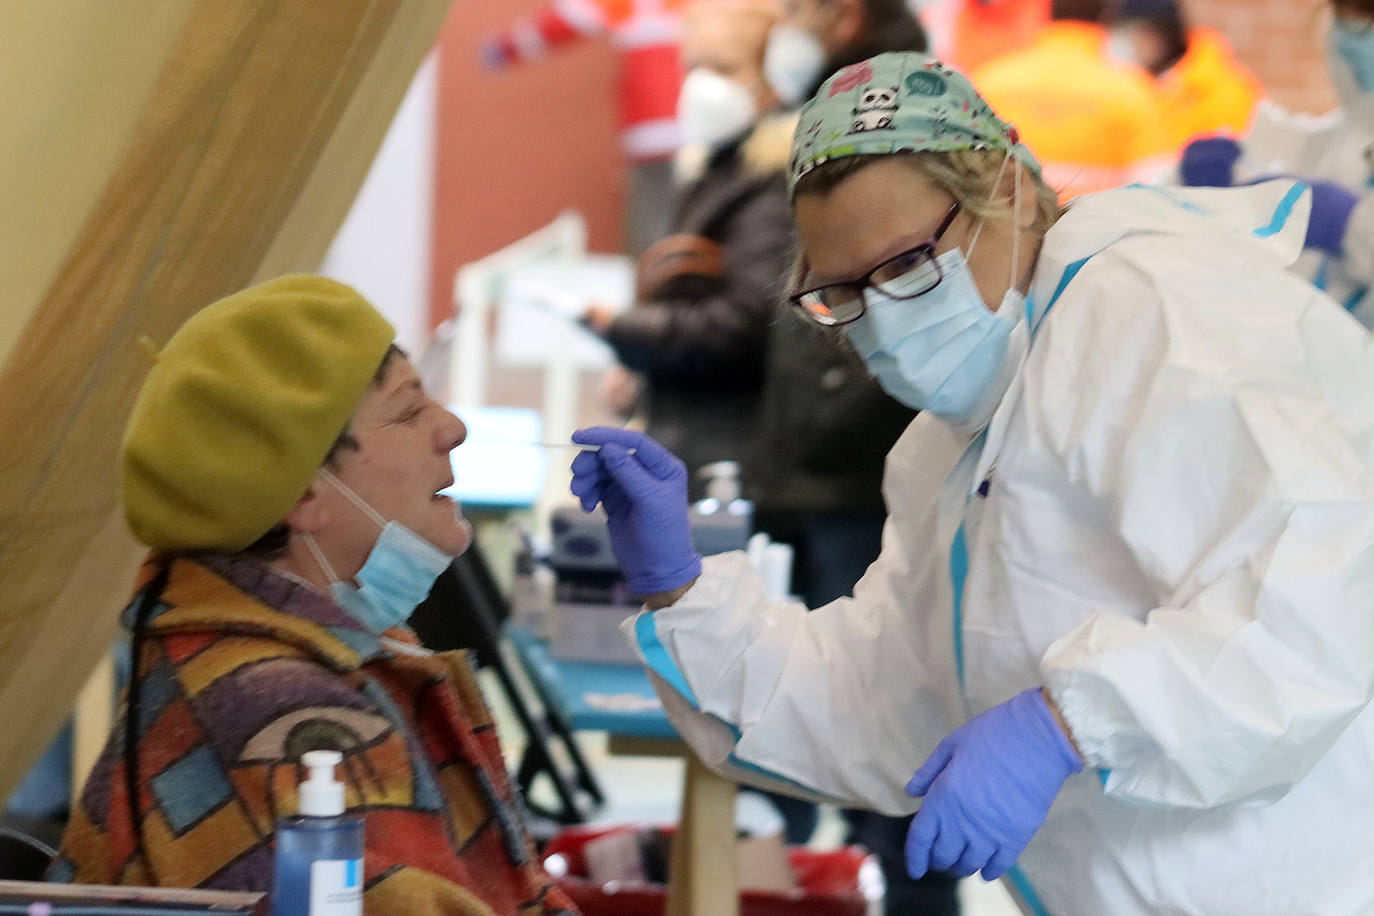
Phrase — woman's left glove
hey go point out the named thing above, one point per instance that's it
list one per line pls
(645, 496)
(988, 788)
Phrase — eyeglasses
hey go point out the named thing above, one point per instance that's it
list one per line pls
(912, 273)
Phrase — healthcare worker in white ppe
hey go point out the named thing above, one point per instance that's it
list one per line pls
(1119, 644)
(1334, 153)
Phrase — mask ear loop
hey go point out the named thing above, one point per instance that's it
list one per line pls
(996, 183)
(1015, 220)
(354, 498)
(318, 554)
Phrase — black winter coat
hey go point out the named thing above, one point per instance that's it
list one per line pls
(703, 357)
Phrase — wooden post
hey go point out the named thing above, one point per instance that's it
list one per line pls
(703, 868)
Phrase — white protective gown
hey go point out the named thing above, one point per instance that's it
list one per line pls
(1336, 147)
(1176, 537)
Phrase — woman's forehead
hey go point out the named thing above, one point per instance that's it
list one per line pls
(858, 223)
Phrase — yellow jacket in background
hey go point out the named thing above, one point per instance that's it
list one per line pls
(1092, 121)
(1208, 90)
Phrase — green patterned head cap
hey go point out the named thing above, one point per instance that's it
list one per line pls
(897, 103)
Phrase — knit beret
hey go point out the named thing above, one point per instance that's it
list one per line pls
(242, 406)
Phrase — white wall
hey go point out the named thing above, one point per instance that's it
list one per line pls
(383, 247)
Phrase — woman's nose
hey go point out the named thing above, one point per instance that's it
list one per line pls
(454, 431)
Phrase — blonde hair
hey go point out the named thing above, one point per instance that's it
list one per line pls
(969, 176)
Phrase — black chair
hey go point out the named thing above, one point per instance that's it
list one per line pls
(465, 610)
(22, 857)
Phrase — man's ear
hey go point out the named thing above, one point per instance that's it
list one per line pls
(309, 514)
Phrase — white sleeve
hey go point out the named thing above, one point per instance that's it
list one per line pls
(838, 703)
(1229, 439)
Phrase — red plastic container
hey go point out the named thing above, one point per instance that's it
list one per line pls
(827, 883)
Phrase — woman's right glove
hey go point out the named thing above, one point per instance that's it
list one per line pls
(644, 493)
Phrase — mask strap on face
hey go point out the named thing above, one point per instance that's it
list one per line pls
(996, 183)
(318, 554)
(1015, 220)
(354, 498)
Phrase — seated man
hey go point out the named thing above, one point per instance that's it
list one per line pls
(283, 462)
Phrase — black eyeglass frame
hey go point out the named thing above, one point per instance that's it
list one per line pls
(858, 285)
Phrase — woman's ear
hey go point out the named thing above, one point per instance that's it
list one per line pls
(309, 514)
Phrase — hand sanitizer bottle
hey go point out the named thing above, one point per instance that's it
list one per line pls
(319, 859)
(723, 520)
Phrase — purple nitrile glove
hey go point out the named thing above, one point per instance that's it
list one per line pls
(645, 496)
(1209, 162)
(988, 787)
(1331, 209)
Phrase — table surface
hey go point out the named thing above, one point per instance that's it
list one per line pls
(594, 696)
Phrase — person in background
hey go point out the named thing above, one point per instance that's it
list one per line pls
(814, 38)
(1333, 153)
(645, 32)
(827, 424)
(1093, 122)
(707, 292)
(284, 463)
(1204, 88)
(985, 29)
(1119, 641)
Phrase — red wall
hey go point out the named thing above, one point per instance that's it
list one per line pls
(516, 147)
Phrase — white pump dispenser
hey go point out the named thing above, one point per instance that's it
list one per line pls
(722, 481)
(723, 520)
(318, 863)
(321, 795)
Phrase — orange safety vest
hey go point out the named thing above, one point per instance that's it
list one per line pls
(985, 29)
(1208, 90)
(645, 32)
(1093, 122)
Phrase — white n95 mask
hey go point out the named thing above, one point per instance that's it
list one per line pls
(713, 110)
(942, 351)
(792, 63)
(398, 574)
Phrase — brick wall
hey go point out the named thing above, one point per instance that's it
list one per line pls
(1280, 40)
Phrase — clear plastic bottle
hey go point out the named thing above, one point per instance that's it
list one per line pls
(722, 520)
(319, 857)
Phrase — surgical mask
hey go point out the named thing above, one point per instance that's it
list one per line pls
(1356, 48)
(942, 352)
(713, 110)
(792, 63)
(398, 574)
(1121, 47)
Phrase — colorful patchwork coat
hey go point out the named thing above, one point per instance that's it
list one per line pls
(242, 670)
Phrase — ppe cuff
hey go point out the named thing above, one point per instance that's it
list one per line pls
(657, 582)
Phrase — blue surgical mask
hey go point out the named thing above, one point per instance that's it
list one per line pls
(398, 574)
(942, 352)
(1356, 48)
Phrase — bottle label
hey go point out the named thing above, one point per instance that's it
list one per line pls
(336, 887)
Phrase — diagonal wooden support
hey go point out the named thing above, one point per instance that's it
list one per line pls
(172, 157)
